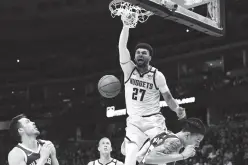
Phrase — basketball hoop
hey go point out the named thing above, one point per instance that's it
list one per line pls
(130, 14)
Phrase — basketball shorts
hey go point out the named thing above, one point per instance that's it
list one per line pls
(140, 129)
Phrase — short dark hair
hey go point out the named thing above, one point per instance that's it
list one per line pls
(14, 126)
(194, 125)
(103, 138)
(145, 46)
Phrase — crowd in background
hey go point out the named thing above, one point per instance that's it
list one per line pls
(224, 145)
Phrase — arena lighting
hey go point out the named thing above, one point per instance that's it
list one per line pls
(111, 112)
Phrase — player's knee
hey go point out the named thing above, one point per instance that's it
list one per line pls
(131, 148)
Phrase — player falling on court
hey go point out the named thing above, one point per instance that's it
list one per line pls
(143, 85)
(189, 138)
(30, 150)
(105, 149)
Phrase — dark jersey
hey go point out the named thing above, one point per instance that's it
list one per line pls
(31, 157)
(171, 144)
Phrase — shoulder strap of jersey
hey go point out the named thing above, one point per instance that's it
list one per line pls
(130, 75)
(20, 147)
(154, 78)
(23, 151)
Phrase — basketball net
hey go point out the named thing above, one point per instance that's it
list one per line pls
(130, 14)
(213, 10)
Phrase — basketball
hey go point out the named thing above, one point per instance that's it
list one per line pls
(109, 86)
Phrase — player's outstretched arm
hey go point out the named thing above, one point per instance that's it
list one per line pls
(171, 102)
(160, 158)
(127, 64)
(166, 153)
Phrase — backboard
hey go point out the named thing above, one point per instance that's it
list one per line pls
(207, 16)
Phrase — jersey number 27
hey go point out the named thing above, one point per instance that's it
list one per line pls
(136, 91)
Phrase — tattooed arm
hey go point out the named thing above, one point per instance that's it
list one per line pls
(166, 153)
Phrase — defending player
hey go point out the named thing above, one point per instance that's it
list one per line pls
(105, 149)
(168, 151)
(29, 151)
(143, 85)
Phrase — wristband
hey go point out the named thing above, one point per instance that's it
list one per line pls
(176, 108)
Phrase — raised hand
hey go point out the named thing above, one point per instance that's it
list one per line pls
(181, 113)
(46, 150)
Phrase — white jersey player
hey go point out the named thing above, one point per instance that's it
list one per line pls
(142, 92)
(105, 149)
(143, 85)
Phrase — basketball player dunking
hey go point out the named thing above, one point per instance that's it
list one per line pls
(143, 85)
(29, 151)
(105, 148)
